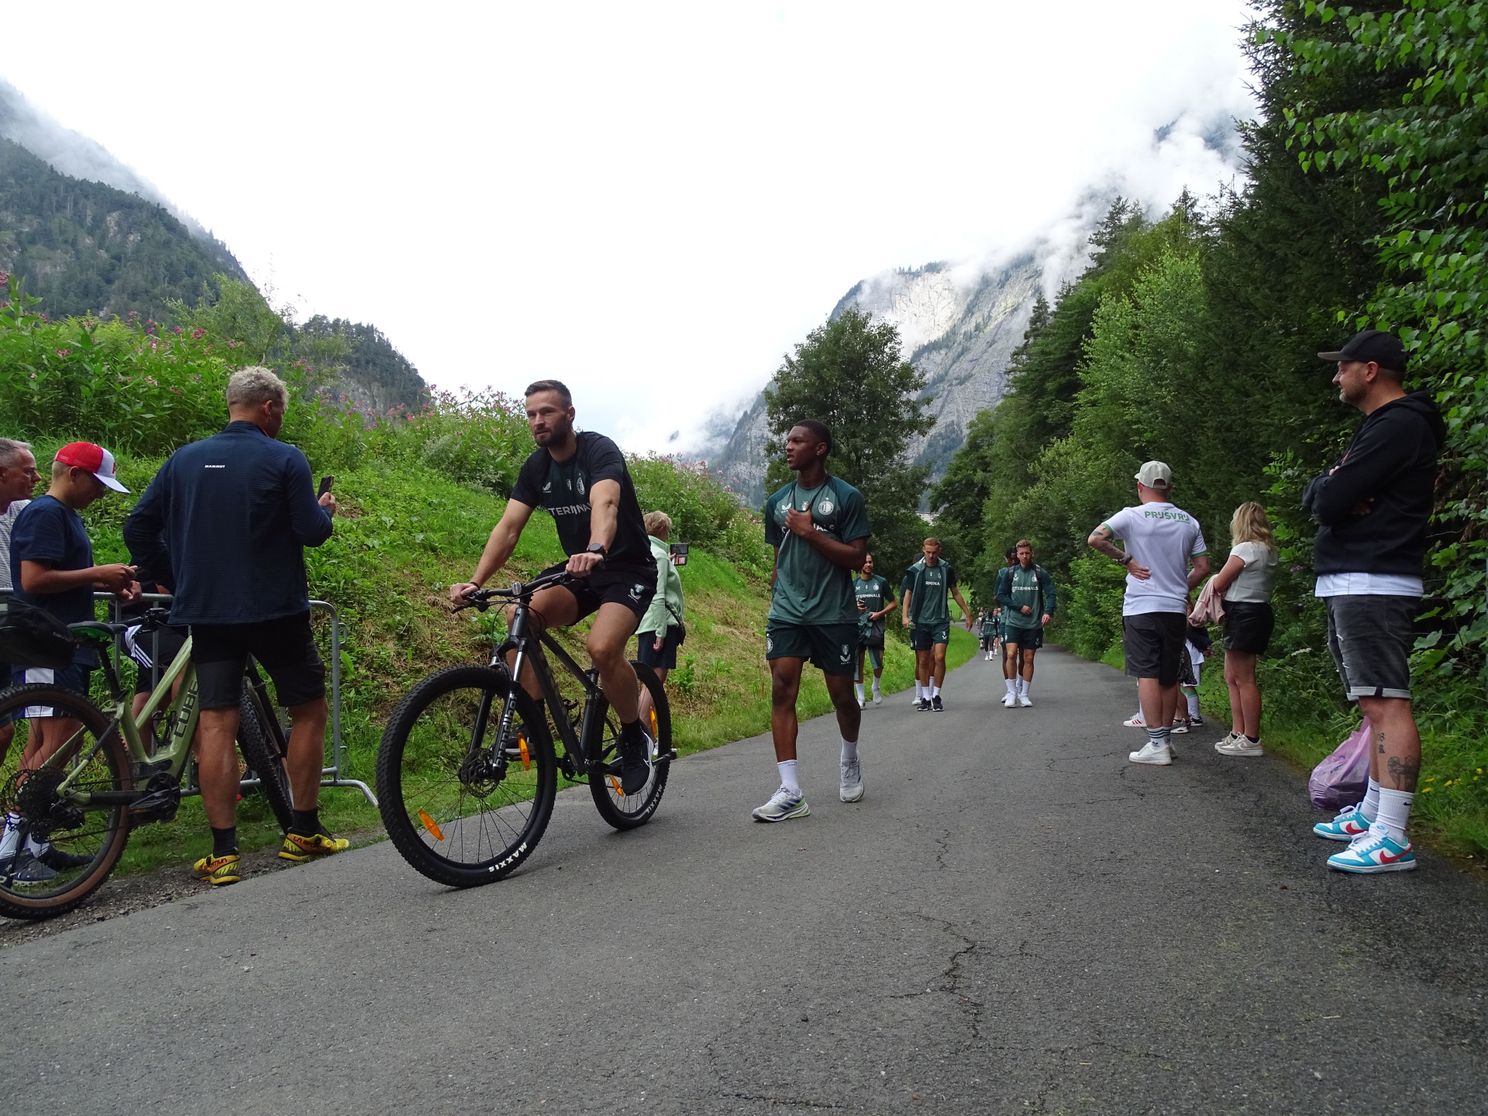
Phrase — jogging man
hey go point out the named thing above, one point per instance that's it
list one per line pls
(582, 480)
(875, 601)
(818, 526)
(230, 517)
(1372, 509)
(1165, 557)
(927, 615)
(1026, 593)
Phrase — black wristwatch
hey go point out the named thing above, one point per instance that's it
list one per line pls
(1126, 559)
(597, 548)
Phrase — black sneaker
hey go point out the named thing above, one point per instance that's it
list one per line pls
(23, 868)
(635, 761)
(924, 706)
(53, 857)
(935, 704)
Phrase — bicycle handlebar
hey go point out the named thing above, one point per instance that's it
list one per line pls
(518, 591)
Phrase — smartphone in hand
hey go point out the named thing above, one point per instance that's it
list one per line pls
(679, 554)
(325, 485)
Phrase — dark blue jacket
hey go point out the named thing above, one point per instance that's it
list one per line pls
(230, 516)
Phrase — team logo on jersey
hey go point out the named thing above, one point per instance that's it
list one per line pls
(548, 487)
(579, 484)
(826, 506)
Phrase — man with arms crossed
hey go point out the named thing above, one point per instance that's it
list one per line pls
(927, 615)
(1372, 509)
(1165, 557)
(818, 525)
(230, 517)
(582, 480)
(875, 601)
(1026, 593)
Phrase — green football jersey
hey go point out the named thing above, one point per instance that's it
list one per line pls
(809, 588)
(930, 587)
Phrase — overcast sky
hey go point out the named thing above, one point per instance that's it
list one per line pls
(651, 201)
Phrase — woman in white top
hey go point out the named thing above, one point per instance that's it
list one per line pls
(1245, 582)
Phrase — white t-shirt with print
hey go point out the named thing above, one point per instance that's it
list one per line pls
(1253, 584)
(1163, 538)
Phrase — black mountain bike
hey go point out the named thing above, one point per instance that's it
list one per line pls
(467, 771)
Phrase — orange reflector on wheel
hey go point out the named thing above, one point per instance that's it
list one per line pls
(615, 783)
(526, 755)
(654, 733)
(431, 825)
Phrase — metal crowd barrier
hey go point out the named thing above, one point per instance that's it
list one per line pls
(331, 775)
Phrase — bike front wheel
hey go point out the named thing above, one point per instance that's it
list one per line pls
(462, 802)
(57, 846)
(262, 743)
(621, 810)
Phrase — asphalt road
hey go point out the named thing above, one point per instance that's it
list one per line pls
(1014, 919)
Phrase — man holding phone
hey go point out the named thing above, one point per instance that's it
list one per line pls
(231, 516)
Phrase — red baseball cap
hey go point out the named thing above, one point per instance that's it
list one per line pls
(96, 459)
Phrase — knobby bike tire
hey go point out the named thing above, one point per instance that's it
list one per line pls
(95, 835)
(626, 811)
(449, 812)
(261, 741)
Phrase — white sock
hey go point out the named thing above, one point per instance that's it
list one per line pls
(934, 691)
(1193, 704)
(918, 692)
(1012, 686)
(1023, 685)
(11, 837)
(1394, 812)
(877, 690)
(849, 750)
(1371, 804)
(858, 689)
(788, 778)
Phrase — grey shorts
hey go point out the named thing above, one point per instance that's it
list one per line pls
(1370, 639)
(1153, 644)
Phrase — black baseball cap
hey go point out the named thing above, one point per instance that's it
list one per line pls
(1383, 348)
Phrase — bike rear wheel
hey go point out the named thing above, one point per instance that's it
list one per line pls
(262, 743)
(621, 810)
(464, 806)
(78, 844)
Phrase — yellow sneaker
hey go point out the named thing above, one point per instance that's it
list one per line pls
(300, 849)
(219, 870)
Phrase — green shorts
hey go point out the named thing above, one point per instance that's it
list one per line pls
(924, 636)
(831, 647)
(1030, 639)
(875, 656)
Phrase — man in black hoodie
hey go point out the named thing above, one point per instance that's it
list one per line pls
(1372, 508)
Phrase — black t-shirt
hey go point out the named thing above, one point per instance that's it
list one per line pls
(563, 488)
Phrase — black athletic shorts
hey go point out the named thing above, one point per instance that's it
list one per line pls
(152, 652)
(666, 658)
(631, 586)
(284, 647)
(1029, 638)
(833, 648)
(1153, 643)
(1247, 626)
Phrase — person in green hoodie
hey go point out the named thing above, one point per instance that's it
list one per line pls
(657, 636)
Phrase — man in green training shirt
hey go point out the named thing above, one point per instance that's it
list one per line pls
(926, 613)
(875, 601)
(1026, 593)
(818, 525)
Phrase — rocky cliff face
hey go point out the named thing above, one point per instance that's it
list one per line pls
(957, 330)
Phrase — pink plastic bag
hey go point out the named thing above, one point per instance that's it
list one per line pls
(1341, 778)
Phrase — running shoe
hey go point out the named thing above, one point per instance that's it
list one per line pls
(24, 868)
(1377, 852)
(1024, 700)
(877, 698)
(635, 761)
(1196, 721)
(300, 848)
(56, 858)
(852, 781)
(924, 705)
(935, 704)
(860, 703)
(1178, 728)
(1135, 722)
(1010, 700)
(1238, 745)
(1347, 826)
(1159, 755)
(783, 806)
(220, 870)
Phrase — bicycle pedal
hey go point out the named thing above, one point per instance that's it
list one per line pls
(158, 805)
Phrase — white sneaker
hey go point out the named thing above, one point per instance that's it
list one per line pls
(1024, 700)
(877, 698)
(782, 806)
(860, 703)
(1135, 722)
(851, 789)
(1239, 745)
(1159, 755)
(1010, 700)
